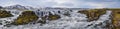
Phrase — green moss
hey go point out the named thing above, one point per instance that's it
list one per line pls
(116, 19)
(115, 15)
(25, 18)
(4, 14)
(51, 17)
(93, 14)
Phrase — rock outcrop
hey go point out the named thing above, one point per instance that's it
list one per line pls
(51, 17)
(25, 18)
(93, 14)
(116, 19)
(4, 14)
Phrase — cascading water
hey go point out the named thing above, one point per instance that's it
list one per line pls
(74, 20)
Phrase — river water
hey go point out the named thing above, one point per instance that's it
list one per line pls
(73, 21)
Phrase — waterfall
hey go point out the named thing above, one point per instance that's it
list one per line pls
(73, 21)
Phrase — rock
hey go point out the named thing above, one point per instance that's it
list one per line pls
(51, 17)
(25, 18)
(116, 19)
(67, 14)
(42, 21)
(93, 14)
(4, 14)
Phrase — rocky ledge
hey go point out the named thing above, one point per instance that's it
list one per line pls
(93, 14)
(4, 14)
(116, 18)
(25, 18)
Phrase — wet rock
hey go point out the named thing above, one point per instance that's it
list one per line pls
(93, 14)
(51, 17)
(107, 24)
(116, 19)
(4, 14)
(42, 21)
(8, 25)
(67, 14)
(25, 18)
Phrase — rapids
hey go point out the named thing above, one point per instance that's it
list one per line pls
(73, 21)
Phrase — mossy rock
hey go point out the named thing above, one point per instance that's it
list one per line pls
(116, 19)
(25, 18)
(4, 14)
(93, 14)
(51, 17)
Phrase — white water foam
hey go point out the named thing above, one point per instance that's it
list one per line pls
(74, 21)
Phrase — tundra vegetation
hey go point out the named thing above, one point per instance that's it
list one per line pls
(25, 18)
(4, 14)
(92, 15)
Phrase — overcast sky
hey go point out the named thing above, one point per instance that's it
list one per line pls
(64, 3)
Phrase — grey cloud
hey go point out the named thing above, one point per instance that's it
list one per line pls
(67, 4)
